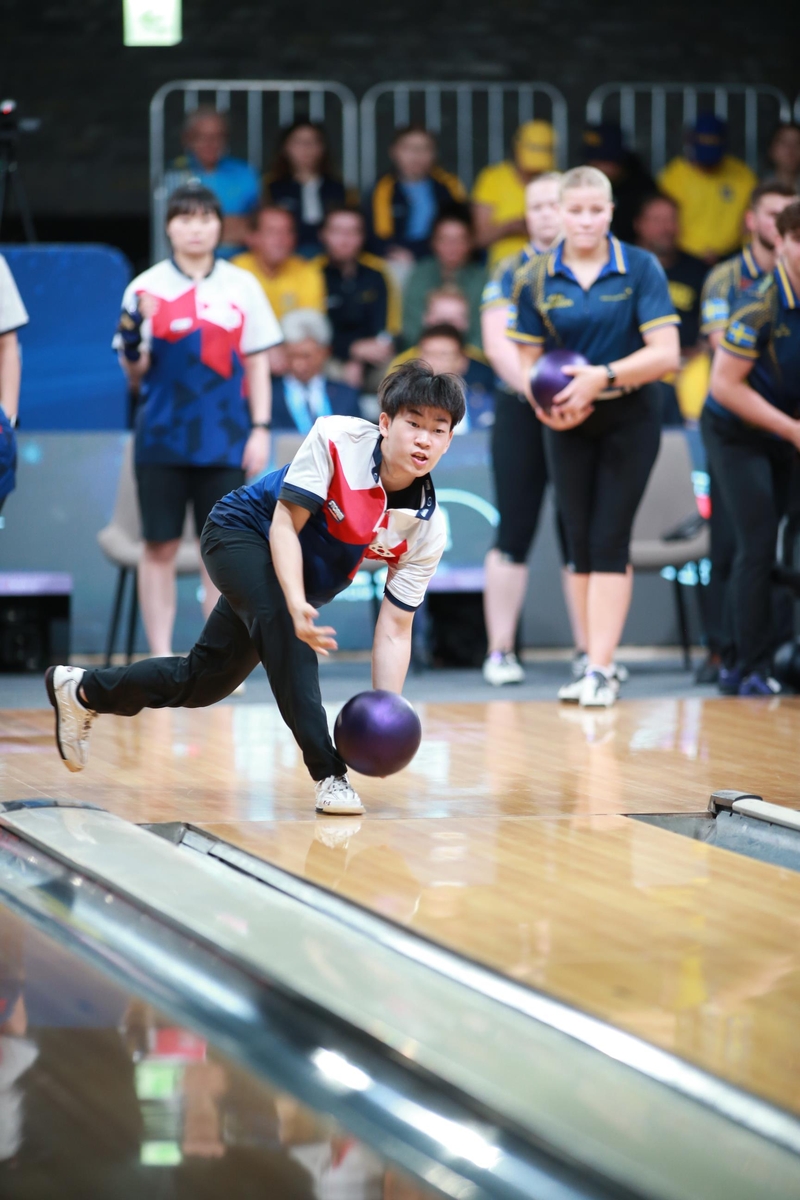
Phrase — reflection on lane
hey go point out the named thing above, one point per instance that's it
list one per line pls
(103, 1097)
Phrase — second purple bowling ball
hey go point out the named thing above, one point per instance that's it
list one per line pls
(548, 378)
(377, 733)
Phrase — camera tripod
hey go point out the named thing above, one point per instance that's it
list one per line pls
(11, 183)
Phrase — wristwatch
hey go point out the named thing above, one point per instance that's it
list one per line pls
(612, 375)
(261, 425)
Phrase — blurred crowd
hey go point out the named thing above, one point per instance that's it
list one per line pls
(416, 253)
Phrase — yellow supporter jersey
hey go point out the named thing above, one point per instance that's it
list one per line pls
(712, 204)
(298, 284)
(501, 189)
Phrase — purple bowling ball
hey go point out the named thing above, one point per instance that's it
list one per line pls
(377, 733)
(548, 378)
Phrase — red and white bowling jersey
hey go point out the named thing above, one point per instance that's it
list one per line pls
(336, 476)
(194, 407)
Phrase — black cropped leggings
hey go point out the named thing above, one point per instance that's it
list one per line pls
(600, 471)
(519, 466)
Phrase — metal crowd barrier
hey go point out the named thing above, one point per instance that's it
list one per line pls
(474, 121)
(674, 106)
(292, 99)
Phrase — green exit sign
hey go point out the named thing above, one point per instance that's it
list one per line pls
(152, 22)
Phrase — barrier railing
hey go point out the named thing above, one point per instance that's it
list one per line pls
(473, 121)
(674, 106)
(291, 99)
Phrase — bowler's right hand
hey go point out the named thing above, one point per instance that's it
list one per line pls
(320, 638)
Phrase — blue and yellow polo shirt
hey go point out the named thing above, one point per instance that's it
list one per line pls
(605, 322)
(499, 289)
(765, 329)
(722, 288)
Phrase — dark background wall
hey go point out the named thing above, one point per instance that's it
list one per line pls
(86, 169)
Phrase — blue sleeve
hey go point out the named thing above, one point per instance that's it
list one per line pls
(748, 330)
(251, 191)
(654, 307)
(525, 324)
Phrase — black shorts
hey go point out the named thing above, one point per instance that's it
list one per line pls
(165, 491)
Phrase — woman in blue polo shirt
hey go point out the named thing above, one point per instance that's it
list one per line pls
(610, 302)
(752, 434)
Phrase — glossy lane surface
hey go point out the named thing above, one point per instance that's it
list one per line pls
(501, 758)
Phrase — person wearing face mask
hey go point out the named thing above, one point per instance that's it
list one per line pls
(302, 181)
(610, 302)
(727, 284)
(752, 433)
(519, 467)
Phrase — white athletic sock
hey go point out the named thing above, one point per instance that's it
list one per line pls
(607, 671)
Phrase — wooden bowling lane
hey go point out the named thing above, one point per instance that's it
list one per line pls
(502, 758)
(690, 947)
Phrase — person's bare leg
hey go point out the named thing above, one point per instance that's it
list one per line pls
(576, 593)
(609, 599)
(503, 598)
(158, 594)
(575, 611)
(210, 592)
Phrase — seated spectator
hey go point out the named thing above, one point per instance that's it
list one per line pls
(712, 190)
(405, 203)
(289, 281)
(783, 155)
(303, 393)
(498, 197)
(657, 231)
(604, 148)
(453, 246)
(233, 181)
(448, 306)
(362, 298)
(302, 181)
(442, 347)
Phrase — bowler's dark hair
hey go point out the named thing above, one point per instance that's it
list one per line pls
(443, 330)
(414, 385)
(788, 221)
(192, 197)
(771, 188)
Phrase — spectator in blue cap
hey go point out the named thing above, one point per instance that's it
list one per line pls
(605, 149)
(712, 190)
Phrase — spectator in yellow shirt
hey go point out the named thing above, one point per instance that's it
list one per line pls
(712, 190)
(289, 281)
(498, 197)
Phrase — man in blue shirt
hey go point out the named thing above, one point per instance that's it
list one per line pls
(751, 432)
(234, 182)
(303, 394)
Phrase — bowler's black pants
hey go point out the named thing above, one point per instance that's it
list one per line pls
(754, 473)
(249, 623)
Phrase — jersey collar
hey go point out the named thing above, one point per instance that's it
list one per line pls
(428, 505)
(617, 260)
(191, 277)
(787, 293)
(749, 264)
